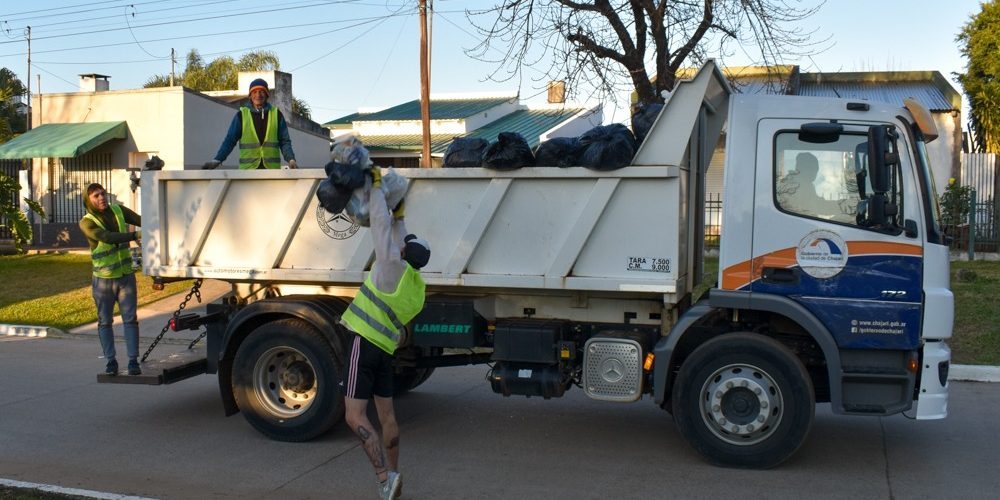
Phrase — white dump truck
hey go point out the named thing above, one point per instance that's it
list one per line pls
(832, 284)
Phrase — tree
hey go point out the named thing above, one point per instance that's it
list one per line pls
(222, 73)
(12, 122)
(607, 46)
(980, 44)
(11, 215)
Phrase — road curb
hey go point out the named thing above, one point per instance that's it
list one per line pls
(974, 373)
(28, 331)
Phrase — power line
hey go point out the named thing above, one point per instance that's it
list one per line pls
(362, 21)
(113, 16)
(57, 8)
(349, 41)
(230, 15)
(80, 11)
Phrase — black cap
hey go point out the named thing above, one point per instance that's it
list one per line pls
(416, 252)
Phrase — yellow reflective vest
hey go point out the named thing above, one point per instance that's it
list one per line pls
(111, 260)
(379, 316)
(252, 149)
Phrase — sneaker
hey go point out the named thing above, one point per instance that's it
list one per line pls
(389, 489)
(112, 368)
(133, 368)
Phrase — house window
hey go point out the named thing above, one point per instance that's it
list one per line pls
(70, 178)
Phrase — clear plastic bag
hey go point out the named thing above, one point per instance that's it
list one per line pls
(394, 187)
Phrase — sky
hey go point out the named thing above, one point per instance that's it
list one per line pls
(345, 55)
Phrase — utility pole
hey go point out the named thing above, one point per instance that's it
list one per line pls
(40, 99)
(425, 89)
(173, 60)
(28, 118)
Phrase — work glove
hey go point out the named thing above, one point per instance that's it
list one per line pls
(376, 174)
(211, 165)
(399, 211)
(292, 164)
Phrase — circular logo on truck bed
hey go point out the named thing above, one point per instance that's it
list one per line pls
(822, 254)
(337, 226)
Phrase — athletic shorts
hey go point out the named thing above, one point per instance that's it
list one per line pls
(367, 370)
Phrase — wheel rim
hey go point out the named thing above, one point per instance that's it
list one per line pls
(741, 404)
(284, 381)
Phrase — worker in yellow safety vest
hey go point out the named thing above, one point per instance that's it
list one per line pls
(261, 132)
(392, 294)
(106, 227)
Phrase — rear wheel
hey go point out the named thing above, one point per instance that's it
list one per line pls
(744, 400)
(406, 377)
(285, 377)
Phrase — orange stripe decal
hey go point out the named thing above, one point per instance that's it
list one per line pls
(882, 247)
(736, 276)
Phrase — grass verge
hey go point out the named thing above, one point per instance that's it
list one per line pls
(54, 290)
(976, 335)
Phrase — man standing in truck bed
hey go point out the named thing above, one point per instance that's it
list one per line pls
(390, 297)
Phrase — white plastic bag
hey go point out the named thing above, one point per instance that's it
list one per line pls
(394, 187)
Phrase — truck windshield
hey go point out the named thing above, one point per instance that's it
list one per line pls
(930, 192)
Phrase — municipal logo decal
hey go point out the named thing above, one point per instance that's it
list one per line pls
(822, 254)
(337, 226)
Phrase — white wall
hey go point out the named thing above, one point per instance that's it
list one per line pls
(575, 126)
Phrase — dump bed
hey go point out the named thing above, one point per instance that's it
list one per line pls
(533, 228)
(546, 230)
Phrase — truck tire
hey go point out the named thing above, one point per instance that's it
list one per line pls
(744, 400)
(408, 378)
(285, 381)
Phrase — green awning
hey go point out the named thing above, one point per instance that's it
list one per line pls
(62, 140)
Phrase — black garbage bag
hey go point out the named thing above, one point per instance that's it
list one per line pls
(607, 147)
(558, 152)
(465, 152)
(333, 199)
(510, 152)
(643, 118)
(345, 176)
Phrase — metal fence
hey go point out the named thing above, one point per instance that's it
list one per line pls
(981, 233)
(71, 176)
(10, 169)
(713, 219)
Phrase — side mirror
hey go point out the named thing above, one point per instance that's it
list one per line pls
(882, 156)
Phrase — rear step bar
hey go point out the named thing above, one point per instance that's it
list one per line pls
(174, 368)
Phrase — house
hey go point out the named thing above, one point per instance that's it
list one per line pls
(106, 136)
(393, 136)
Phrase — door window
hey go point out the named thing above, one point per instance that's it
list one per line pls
(821, 180)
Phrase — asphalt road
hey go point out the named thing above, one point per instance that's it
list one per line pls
(459, 440)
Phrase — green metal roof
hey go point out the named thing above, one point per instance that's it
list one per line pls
(62, 140)
(529, 123)
(345, 121)
(441, 109)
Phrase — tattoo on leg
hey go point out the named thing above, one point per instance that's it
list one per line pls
(373, 448)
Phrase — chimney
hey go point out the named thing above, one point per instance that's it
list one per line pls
(557, 92)
(92, 82)
(279, 86)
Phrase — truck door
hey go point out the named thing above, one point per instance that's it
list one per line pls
(813, 242)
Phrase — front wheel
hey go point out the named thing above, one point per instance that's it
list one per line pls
(285, 377)
(744, 400)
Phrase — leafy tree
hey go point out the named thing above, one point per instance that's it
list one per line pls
(607, 46)
(979, 41)
(11, 215)
(11, 120)
(222, 73)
